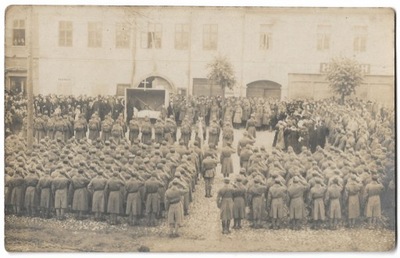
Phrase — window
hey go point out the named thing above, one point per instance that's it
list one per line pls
(210, 36)
(94, 34)
(360, 38)
(19, 33)
(181, 36)
(365, 68)
(65, 34)
(265, 36)
(122, 35)
(323, 37)
(323, 68)
(152, 38)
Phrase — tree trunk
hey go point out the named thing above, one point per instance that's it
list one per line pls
(342, 99)
(223, 93)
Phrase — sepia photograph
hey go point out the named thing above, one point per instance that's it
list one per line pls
(199, 129)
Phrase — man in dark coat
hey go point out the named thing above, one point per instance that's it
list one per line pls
(44, 187)
(80, 201)
(297, 208)
(209, 165)
(31, 196)
(133, 200)
(372, 196)
(96, 187)
(152, 186)
(333, 198)
(256, 194)
(113, 189)
(173, 205)
(239, 204)
(277, 196)
(316, 197)
(59, 187)
(225, 204)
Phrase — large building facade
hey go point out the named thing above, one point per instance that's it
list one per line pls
(276, 52)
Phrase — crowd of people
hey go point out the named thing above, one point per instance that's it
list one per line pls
(328, 163)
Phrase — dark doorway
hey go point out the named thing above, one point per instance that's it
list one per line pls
(264, 89)
(18, 85)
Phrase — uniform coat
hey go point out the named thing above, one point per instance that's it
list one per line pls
(152, 195)
(80, 200)
(31, 195)
(317, 194)
(353, 189)
(134, 199)
(96, 186)
(276, 198)
(333, 195)
(17, 194)
(226, 160)
(225, 202)
(59, 187)
(239, 204)
(372, 193)
(113, 187)
(296, 194)
(173, 204)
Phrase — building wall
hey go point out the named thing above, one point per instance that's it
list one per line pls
(314, 86)
(84, 70)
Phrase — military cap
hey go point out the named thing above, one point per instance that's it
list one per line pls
(226, 180)
(100, 172)
(159, 165)
(107, 143)
(108, 166)
(177, 174)
(131, 156)
(238, 179)
(164, 143)
(115, 174)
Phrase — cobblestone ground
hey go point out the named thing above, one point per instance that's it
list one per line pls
(201, 231)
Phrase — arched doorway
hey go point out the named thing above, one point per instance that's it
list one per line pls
(156, 82)
(264, 89)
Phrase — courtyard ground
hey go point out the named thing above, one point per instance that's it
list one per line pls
(201, 232)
